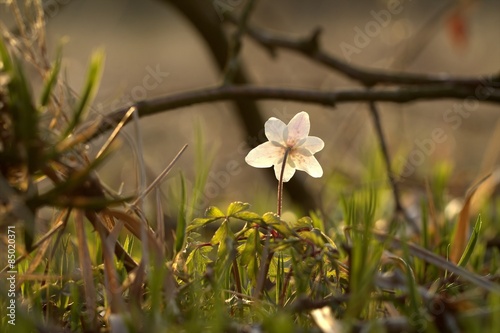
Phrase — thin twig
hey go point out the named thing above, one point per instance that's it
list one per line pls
(159, 178)
(310, 47)
(387, 163)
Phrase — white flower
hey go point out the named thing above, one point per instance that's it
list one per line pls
(293, 137)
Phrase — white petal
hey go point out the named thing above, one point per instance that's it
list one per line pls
(307, 163)
(275, 129)
(264, 155)
(313, 144)
(297, 129)
(289, 170)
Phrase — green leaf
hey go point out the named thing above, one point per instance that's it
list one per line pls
(471, 243)
(250, 256)
(236, 207)
(220, 235)
(273, 220)
(198, 259)
(317, 222)
(306, 221)
(302, 223)
(282, 246)
(214, 212)
(246, 216)
(250, 247)
(313, 236)
(225, 239)
(200, 222)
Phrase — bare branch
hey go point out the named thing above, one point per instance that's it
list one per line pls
(311, 48)
(327, 98)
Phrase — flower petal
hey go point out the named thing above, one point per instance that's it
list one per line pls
(264, 155)
(307, 163)
(297, 129)
(275, 129)
(289, 170)
(313, 144)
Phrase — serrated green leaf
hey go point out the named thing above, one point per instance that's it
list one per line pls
(190, 257)
(313, 236)
(306, 220)
(247, 216)
(200, 222)
(236, 207)
(193, 237)
(250, 247)
(302, 223)
(273, 220)
(198, 259)
(225, 251)
(220, 235)
(283, 229)
(250, 256)
(214, 212)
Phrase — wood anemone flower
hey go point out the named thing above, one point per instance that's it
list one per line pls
(291, 142)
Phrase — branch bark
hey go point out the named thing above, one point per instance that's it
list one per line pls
(327, 98)
(310, 47)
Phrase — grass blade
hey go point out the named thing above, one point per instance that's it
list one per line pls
(89, 89)
(462, 229)
(86, 269)
(51, 81)
(471, 244)
(180, 233)
(440, 262)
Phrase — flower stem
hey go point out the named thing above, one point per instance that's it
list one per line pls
(280, 182)
(267, 254)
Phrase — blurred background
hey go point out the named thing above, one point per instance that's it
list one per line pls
(153, 50)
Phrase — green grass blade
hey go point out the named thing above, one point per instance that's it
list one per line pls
(93, 77)
(441, 263)
(180, 233)
(51, 81)
(471, 243)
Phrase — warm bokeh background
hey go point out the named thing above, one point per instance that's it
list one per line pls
(454, 37)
